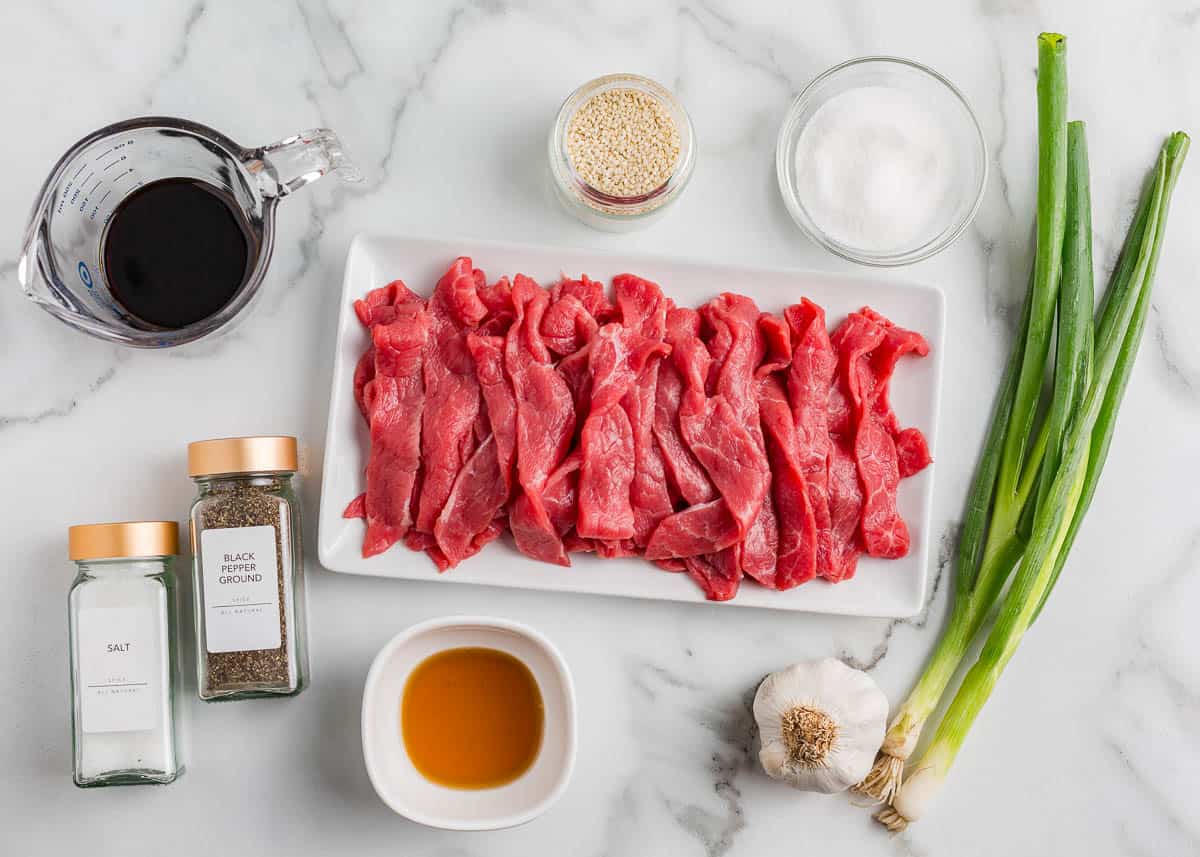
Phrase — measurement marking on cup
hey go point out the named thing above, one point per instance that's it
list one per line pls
(82, 167)
(96, 185)
(122, 175)
(114, 162)
(95, 210)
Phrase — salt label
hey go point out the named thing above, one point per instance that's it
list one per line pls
(118, 669)
(241, 589)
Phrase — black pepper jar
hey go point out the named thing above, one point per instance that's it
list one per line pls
(248, 569)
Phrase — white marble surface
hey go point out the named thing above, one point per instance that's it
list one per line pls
(1088, 747)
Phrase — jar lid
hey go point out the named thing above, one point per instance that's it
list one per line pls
(124, 539)
(272, 454)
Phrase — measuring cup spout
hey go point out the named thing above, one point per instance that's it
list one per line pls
(298, 160)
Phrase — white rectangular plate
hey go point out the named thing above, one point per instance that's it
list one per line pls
(880, 588)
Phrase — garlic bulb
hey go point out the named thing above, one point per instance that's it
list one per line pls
(821, 723)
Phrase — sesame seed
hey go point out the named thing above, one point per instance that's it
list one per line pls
(623, 143)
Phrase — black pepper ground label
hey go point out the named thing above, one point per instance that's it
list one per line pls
(241, 507)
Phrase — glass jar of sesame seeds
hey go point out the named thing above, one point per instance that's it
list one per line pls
(621, 151)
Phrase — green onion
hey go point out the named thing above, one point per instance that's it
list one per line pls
(987, 554)
(1055, 522)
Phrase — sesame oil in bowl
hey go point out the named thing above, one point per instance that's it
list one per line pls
(472, 718)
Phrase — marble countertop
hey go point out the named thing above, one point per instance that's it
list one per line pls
(1089, 746)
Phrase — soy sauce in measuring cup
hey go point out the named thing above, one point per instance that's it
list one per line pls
(176, 251)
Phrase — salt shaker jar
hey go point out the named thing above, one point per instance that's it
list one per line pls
(123, 658)
(248, 569)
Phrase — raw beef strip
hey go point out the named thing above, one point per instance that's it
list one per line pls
(545, 423)
(590, 293)
(854, 340)
(718, 583)
(396, 408)
(575, 374)
(644, 310)
(809, 380)
(364, 373)
(605, 509)
(452, 394)
(686, 478)
(738, 347)
(497, 298)
(498, 396)
(912, 451)
(720, 441)
(478, 495)
(796, 557)
(884, 532)
(685, 370)
(567, 325)
(778, 341)
(738, 469)
(379, 305)
(561, 494)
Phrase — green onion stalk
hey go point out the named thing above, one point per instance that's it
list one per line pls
(1069, 488)
(1005, 477)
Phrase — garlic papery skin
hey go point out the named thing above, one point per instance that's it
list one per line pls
(820, 723)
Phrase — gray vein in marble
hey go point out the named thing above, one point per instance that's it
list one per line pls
(1153, 790)
(423, 72)
(336, 52)
(59, 411)
(1179, 377)
(946, 548)
(663, 693)
(179, 56)
(709, 23)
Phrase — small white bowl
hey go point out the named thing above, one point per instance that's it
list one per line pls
(392, 772)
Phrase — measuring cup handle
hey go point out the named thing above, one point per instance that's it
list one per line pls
(298, 160)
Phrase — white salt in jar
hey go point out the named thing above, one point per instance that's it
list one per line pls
(123, 663)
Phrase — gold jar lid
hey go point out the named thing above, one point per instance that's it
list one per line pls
(124, 539)
(273, 454)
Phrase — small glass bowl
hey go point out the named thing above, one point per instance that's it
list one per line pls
(932, 91)
(613, 213)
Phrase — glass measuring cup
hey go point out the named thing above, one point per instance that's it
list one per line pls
(61, 267)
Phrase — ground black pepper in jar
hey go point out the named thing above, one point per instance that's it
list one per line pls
(248, 568)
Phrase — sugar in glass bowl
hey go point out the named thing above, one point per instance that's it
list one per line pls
(881, 161)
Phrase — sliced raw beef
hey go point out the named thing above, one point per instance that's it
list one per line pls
(738, 469)
(777, 338)
(498, 397)
(364, 373)
(796, 554)
(567, 325)
(396, 407)
(644, 311)
(720, 443)
(719, 584)
(590, 293)
(452, 394)
(478, 496)
(578, 378)
(605, 509)
(884, 532)
(737, 347)
(810, 377)
(716, 434)
(379, 305)
(545, 423)
(689, 360)
(854, 340)
(913, 452)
